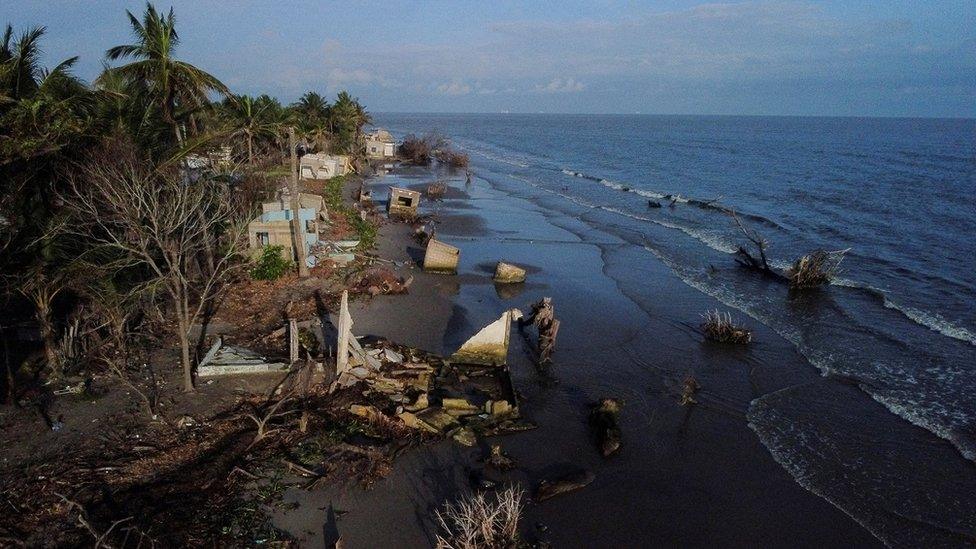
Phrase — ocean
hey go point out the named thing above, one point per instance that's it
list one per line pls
(893, 337)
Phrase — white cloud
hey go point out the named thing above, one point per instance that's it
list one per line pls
(454, 88)
(560, 85)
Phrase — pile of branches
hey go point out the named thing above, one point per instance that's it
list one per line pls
(452, 158)
(721, 328)
(420, 150)
(195, 483)
(437, 189)
(815, 269)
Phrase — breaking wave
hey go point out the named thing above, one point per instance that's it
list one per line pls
(930, 320)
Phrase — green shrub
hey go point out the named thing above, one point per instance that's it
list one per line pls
(271, 265)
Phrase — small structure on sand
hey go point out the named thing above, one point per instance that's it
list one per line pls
(324, 166)
(441, 258)
(380, 144)
(403, 203)
(489, 347)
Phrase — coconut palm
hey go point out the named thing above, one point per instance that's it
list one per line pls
(249, 118)
(173, 85)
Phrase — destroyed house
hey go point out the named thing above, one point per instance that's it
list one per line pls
(274, 228)
(323, 166)
(305, 201)
(380, 144)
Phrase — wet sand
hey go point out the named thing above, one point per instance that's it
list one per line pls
(684, 476)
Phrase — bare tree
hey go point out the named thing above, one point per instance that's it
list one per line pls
(744, 258)
(157, 222)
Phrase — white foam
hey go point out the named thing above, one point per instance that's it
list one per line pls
(932, 321)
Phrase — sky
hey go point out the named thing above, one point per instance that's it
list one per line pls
(792, 57)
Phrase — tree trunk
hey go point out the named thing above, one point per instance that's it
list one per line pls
(46, 327)
(250, 149)
(183, 321)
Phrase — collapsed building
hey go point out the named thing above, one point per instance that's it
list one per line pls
(324, 166)
(380, 144)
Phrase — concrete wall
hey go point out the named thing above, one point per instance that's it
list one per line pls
(277, 224)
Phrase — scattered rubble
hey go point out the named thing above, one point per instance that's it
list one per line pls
(567, 483)
(379, 280)
(459, 398)
(604, 418)
(228, 360)
(499, 459)
(506, 273)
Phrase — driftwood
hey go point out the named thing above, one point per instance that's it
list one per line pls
(744, 258)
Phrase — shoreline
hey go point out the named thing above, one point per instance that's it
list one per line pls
(693, 451)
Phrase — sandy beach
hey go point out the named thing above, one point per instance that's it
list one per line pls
(684, 476)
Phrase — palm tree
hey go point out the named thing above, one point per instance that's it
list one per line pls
(172, 84)
(250, 118)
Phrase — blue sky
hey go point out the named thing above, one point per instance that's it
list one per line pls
(871, 57)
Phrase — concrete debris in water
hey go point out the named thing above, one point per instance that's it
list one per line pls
(506, 273)
(567, 483)
(544, 317)
(604, 418)
(499, 459)
(489, 347)
(403, 203)
(441, 257)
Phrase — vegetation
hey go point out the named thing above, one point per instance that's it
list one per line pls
(721, 328)
(419, 150)
(815, 269)
(271, 265)
(95, 200)
(452, 158)
(481, 521)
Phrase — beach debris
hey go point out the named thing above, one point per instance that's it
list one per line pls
(437, 418)
(403, 203)
(721, 328)
(688, 390)
(604, 418)
(543, 316)
(222, 360)
(437, 189)
(570, 482)
(379, 280)
(745, 259)
(507, 273)
(653, 204)
(352, 362)
(465, 436)
(365, 196)
(815, 269)
(499, 459)
(489, 347)
(441, 257)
